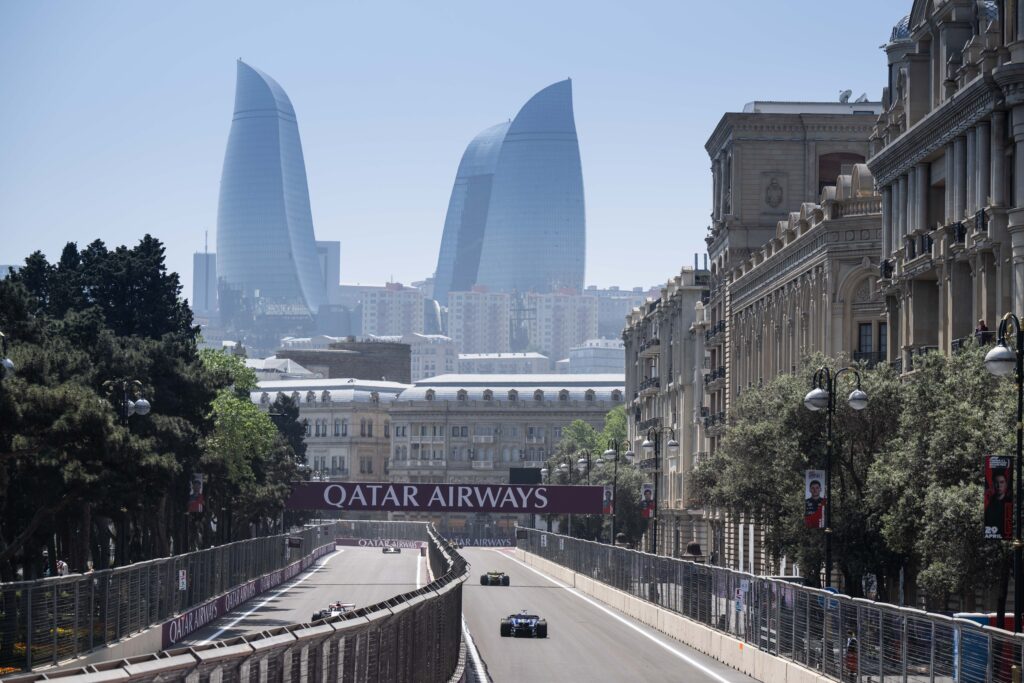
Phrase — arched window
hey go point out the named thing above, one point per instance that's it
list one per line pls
(538, 395)
(488, 395)
(513, 395)
(616, 395)
(462, 395)
(430, 394)
(589, 396)
(563, 395)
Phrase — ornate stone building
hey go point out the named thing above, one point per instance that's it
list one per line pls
(948, 152)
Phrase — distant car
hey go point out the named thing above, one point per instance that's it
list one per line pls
(335, 609)
(494, 579)
(524, 625)
(391, 549)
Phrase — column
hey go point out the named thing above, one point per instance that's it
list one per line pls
(716, 174)
(984, 167)
(900, 214)
(998, 158)
(1016, 226)
(972, 171)
(886, 221)
(912, 202)
(960, 185)
(950, 181)
(923, 218)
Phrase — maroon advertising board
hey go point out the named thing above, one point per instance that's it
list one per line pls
(445, 497)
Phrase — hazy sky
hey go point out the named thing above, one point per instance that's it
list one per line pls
(115, 115)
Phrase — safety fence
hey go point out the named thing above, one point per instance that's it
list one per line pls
(415, 636)
(54, 619)
(846, 639)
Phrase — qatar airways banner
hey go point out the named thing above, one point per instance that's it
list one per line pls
(445, 497)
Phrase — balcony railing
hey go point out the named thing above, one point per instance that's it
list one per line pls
(651, 383)
(483, 438)
(654, 422)
(652, 343)
(714, 330)
(897, 366)
(869, 358)
(981, 338)
(483, 465)
(716, 374)
(919, 352)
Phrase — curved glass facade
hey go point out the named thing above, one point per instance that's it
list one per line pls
(467, 215)
(536, 229)
(266, 249)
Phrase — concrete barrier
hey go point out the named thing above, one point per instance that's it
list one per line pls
(721, 646)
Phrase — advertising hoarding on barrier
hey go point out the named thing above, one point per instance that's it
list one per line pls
(190, 621)
(310, 495)
(379, 542)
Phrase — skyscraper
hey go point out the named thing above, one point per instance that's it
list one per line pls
(516, 218)
(204, 283)
(266, 250)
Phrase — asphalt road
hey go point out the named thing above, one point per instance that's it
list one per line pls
(350, 574)
(587, 640)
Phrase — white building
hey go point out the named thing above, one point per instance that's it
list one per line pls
(431, 354)
(393, 309)
(597, 356)
(274, 368)
(480, 321)
(558, 321)
(526, 363)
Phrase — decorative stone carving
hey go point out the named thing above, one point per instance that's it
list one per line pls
(773, 194)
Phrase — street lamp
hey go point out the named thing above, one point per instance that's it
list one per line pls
(1002, 361)
(545, 475)
(583, 464)
(652, 459)
(613, 454)
(6, 364)
(823, 397)
(126, 395)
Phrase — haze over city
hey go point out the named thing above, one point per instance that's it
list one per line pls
(124, 112)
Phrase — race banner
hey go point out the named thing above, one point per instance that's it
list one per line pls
(998, 498)
(309, 495)
(608, 504)
(196, 497)
(648, 506)
(815, 499)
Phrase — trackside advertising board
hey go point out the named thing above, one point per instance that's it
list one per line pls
(445, 497)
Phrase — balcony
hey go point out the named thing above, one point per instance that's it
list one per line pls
(483, 465)
(654, 422)
(981, 338)
(482, 438)
(650, 347)
(650, 386)
(714, 335)
(715, 379)
(869, 358)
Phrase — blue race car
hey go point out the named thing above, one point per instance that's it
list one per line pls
(525, 625)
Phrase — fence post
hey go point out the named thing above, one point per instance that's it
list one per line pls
(903, 645)
(28, 631)
(931, 655)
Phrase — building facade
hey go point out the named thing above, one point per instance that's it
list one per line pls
(615, 304)
(515, 219)
(266, 249)
(525, 363)
(558, 321)
(432, 354)
(597, 356)
(348, 430)
(391, 310)
(480, 321)
(947, 161)
(664, 383)
(366, 360)
(204, 284)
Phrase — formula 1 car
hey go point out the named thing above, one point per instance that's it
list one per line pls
(391, 549)
(524, 624)
(334, 609)
(494, 579)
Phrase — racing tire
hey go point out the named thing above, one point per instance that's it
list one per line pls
(542, 629)
(483, 580)
(504, 581)
(506, 628)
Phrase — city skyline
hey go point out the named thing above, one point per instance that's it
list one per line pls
(643, 112)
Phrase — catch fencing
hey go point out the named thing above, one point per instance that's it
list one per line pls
(846, 639)
(54, 619)
(415, 636)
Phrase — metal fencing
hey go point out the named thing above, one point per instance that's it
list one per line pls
(51, 620)
(846, 639)
(415, 636)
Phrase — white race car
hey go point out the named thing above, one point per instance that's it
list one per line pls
(391, 549)
(335, 609)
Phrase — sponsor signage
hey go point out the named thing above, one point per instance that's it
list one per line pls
(445, 497)
(190, 621)
(378, 542)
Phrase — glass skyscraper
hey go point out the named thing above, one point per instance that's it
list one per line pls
(266, 250)
(515, 219)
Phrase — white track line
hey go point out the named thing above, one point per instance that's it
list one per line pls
(626, 622)
(278, 593)
(474, 654)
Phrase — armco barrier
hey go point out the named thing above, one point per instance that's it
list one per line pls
(52, 620)
(736, 617)
(415, 637)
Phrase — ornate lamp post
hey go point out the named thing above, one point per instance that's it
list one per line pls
(583, 464)
(823, 397)
(652, 460)
(613, 454)
(545, 475)
(6, 364)
(1002, 361)
(126, 395)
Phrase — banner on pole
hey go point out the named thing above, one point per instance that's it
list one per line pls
(998, 497)
(815, 499)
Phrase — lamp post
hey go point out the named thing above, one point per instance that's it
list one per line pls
(545, 475)
(583, 464)
(126, 395)
(566, 469)
(6, 364)
(1002, 361)
(613, 454)
(652, 460)
(823, 397)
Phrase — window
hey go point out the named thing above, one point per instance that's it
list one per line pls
(305, 423)
(464, 431)
(538, 395)
(365, 465)
(423, 430)
(883, 340)
(563, 395)
(864, 337)
(513, 395)
(488, 395)
(369, 428)
(387, 428)
(430, 394)
(455, 431)
(362, 428)
(589, 395)
(337, 427)
(616, 395)
(462, 395)
(344, 427)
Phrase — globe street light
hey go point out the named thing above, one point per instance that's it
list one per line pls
(126, 395)
(822, 397)
(6, 364)
(613, 454)
(1002, 361)
(652, 460)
